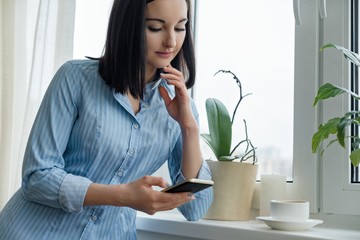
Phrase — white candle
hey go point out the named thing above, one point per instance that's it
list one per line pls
(272, 187)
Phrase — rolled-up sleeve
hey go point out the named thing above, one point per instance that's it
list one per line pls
(71, 196)
(196, 209)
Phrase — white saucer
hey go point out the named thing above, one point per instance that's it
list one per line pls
(289, 225)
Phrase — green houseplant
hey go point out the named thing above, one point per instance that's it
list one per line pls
(234, 177)
(337, 126)
(220, 127)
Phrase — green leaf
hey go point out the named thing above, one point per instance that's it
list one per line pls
(323, 133)
(351, 56)
(326, 91)
(328, 145)
(355, 157)
(341, 129)
(355, 143)
(346, 121)
(227, 158)
(208, 141)
(219, 127)
(357, 119)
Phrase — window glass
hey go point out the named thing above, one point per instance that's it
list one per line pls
(254, 40)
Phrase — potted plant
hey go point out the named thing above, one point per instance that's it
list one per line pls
(337, 126)
(234, 178)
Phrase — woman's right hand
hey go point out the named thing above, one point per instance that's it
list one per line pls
(138, 195)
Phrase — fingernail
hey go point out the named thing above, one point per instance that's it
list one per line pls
(191, 196)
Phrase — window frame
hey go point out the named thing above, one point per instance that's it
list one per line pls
(305, 183)
(337, 187)
(354, 73)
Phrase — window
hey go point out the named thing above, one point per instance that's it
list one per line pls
(277, 61)
(247, 38)
(251, 39)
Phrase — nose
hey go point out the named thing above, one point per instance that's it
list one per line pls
(170, 39)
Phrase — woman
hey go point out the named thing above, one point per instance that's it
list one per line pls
(105, 125)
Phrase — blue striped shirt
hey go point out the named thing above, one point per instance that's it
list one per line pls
(85, 132)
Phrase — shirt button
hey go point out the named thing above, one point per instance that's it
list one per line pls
(119, 174)
(145, 106)
(136, 125)
(131, 151)
(93, 218)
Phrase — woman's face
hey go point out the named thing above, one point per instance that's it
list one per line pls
(165, 31)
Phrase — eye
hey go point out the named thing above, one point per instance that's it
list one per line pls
(153, 29)
(180, 29)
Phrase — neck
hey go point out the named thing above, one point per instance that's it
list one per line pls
(135, 103)
(150, 72)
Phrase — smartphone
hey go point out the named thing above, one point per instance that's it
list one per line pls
(189, 185)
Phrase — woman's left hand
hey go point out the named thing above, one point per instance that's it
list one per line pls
(179, 107)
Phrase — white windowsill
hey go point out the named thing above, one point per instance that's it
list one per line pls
(174, 224)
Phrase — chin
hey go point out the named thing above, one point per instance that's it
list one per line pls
(158, 64)
(162, 64)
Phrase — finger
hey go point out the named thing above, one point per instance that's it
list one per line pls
(172, 73)
(172, 200)
(164, 94)
(176, 198)
(171, 76)
(155, 181)
(181, 198)
(170, 69)
(177, 83)
(168, 201)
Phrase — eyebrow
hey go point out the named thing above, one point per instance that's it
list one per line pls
(162, 21)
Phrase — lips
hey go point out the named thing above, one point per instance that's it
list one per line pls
(164, 54)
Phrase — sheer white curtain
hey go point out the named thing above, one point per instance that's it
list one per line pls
(36, 37)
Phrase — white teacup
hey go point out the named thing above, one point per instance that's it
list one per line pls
(290, 210)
